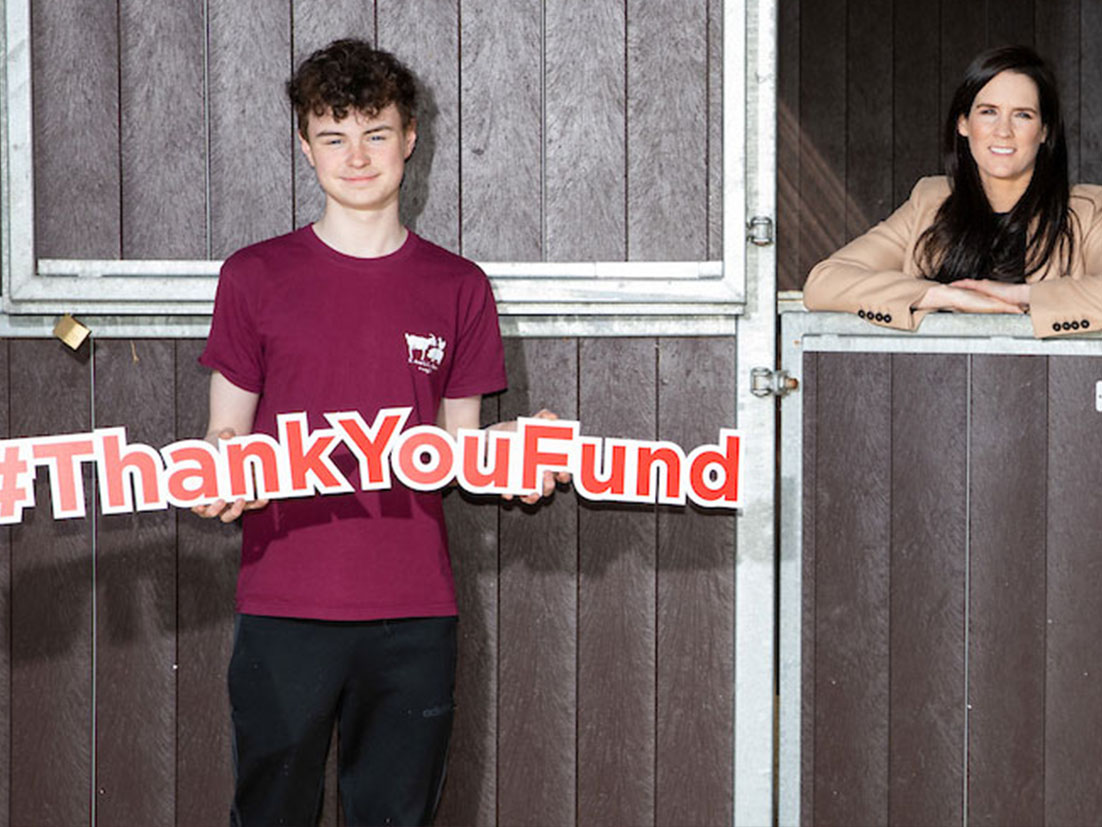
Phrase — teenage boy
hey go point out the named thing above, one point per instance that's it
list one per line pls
(346, 606)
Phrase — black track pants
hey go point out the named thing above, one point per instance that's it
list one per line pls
(388, 684)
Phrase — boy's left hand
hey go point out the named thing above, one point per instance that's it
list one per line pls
(550, 478)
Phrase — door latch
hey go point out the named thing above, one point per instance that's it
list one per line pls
(759, 231)
(768, 382)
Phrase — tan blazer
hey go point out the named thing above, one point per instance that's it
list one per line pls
(876, 276)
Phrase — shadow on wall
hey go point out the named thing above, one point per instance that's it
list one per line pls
(813, 233)
(144, 590)
(415, 184)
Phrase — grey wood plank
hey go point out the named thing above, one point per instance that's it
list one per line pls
(425, 35)
(5, 613)
(502, 147)
(250, 123)
(136, 601)
(852, 572)
(789, 215)
(331, 812)
(1090, 107)
(207, 553)
(696, 599)
(810, 392)
(1057, 39)
(929, 534)
(715, 129)
(1073, 646)
(164, 205)
(963, 36)
(616, 600)
(470, 791)
(917, 112)
(667, 145)
(51, 603)
(538, 634)
(1011, 21)
(316, 25)
(74, 63)
(822, 132)
(584, 101)
(869, 95)
(1006, 634)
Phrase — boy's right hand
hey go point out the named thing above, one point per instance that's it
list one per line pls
(226, 512)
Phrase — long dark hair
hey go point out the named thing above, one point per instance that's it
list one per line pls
(967, 239)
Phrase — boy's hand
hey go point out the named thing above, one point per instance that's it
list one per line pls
(549, 477)
(226, 512)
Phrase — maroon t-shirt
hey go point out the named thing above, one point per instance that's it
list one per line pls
(311, 329)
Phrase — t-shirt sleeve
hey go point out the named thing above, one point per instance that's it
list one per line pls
(233, 347)
(478, 366)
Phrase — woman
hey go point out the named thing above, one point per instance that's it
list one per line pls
(999, 233)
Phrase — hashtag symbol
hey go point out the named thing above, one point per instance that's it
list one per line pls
(16, 491)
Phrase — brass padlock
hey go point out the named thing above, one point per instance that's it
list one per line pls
(70, 331)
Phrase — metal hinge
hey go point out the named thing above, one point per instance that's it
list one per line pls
(759, 230)
(769, 382)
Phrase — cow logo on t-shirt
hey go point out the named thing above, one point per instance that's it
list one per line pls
(425, 352)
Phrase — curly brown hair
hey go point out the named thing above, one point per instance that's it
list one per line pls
(351, 74)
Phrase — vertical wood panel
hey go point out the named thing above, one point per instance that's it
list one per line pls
(502, 201)
(1006, 646)
(1011, 22)
(250, 135)
(852, 559)
(136, 602)
(316, 25)
(584, 129)
(715, 129)
(810, 392)
(916, 107)
(425, 35)
(696, 600)
(1073, 691)
(51, 608)
(470, 791)
(6, 616)
(616, 601)
(331, 813)
(207, 553)
(963, 36)
(539, 612)
(667, 138)
(163, 151)
(1058, 42)
(868, 131)
(74, 60)
(822, 131)
(789, 202)
(1090, 106)
(929, 528)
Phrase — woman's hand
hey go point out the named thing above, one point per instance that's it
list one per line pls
(1010, 293)
(961, 297)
